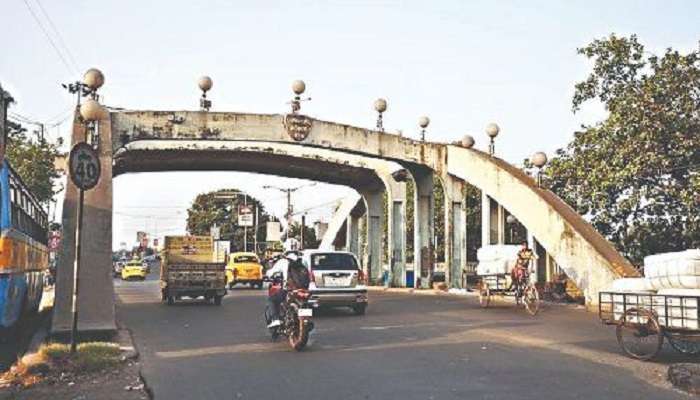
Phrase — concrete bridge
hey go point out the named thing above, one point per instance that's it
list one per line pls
(374, 163)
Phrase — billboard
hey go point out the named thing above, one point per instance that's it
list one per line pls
(215, 232)
(245, 215)
(142, 239)
(273, 233)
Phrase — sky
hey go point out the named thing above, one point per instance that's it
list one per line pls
(462, 63)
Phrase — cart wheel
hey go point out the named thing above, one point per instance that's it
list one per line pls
(684, 346)
(639, 334)
(531, 300)
(484, 295)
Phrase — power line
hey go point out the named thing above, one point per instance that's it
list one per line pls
(48, 37)
(58, 34)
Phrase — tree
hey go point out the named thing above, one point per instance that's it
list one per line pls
(635, 175)
(207, 210)
(310, 240)
(33, 160)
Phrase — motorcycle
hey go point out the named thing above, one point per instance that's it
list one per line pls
(296, 312)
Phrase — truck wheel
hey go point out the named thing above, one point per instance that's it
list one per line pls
(360, 309)
(171, 300)
(217, 300)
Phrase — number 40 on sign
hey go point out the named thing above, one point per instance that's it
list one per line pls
(84, 166)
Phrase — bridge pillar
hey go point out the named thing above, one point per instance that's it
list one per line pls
(96, 299)
(455, 230)
(396, 230)
(424, 227)
(352, 237)
(493, 221)
(375, 223)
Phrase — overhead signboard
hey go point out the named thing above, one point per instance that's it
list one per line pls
(245, 215)
(274, 231)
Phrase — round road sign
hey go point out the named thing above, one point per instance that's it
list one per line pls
(84, 166)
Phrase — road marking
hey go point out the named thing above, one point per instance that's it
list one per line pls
(218, 350)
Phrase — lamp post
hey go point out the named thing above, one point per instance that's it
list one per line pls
(205, 84)
(539, 160)
(510, 220)
(84, 168)
(492, 131)
(298, 87)
(423, 122)
(380, 107)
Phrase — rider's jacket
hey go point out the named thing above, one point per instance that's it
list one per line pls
(297, 276)
(524, 257)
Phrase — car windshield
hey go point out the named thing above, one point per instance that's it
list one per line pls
(134, 264)
(243, 259)
(333, 261)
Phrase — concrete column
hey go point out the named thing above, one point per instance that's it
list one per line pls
(485, 219)
(396, 229)
(96, 291)
(459, 243)
(375, 233)
(352, 236)
(398, 244)
(455, 224)
(424, 229)
(501, 224)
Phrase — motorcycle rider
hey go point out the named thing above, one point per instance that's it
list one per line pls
(294, 276)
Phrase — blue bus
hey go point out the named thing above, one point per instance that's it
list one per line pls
(23, 249)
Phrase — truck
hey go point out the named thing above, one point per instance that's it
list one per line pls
(190, 269)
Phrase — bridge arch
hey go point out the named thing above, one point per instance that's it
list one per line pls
(365, 158)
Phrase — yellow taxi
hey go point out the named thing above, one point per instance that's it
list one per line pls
(244, 268)
(134, 269)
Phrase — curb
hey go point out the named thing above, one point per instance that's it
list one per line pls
(126, 344)
(423, 292)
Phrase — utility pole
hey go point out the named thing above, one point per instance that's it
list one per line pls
(303, 226)
(288, 191)
(245, 228)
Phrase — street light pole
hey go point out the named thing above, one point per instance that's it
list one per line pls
(245, 228)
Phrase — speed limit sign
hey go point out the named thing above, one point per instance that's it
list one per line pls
(84, 166)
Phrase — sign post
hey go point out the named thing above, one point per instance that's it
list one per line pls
(84, 168)
(245, 219)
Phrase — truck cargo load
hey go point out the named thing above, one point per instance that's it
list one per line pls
(190, 269)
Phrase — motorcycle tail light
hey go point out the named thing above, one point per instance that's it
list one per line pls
(312, 278)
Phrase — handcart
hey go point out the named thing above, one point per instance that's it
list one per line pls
(523, 290)
(643, 320)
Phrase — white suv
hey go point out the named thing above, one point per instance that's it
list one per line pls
(337, 279)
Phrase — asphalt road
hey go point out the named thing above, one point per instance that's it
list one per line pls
(406, 347)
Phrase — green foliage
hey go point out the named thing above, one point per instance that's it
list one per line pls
(635, 175)
(310, 240)
(207, 210)
(90, 356)
(472, 196)
(33, 160)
